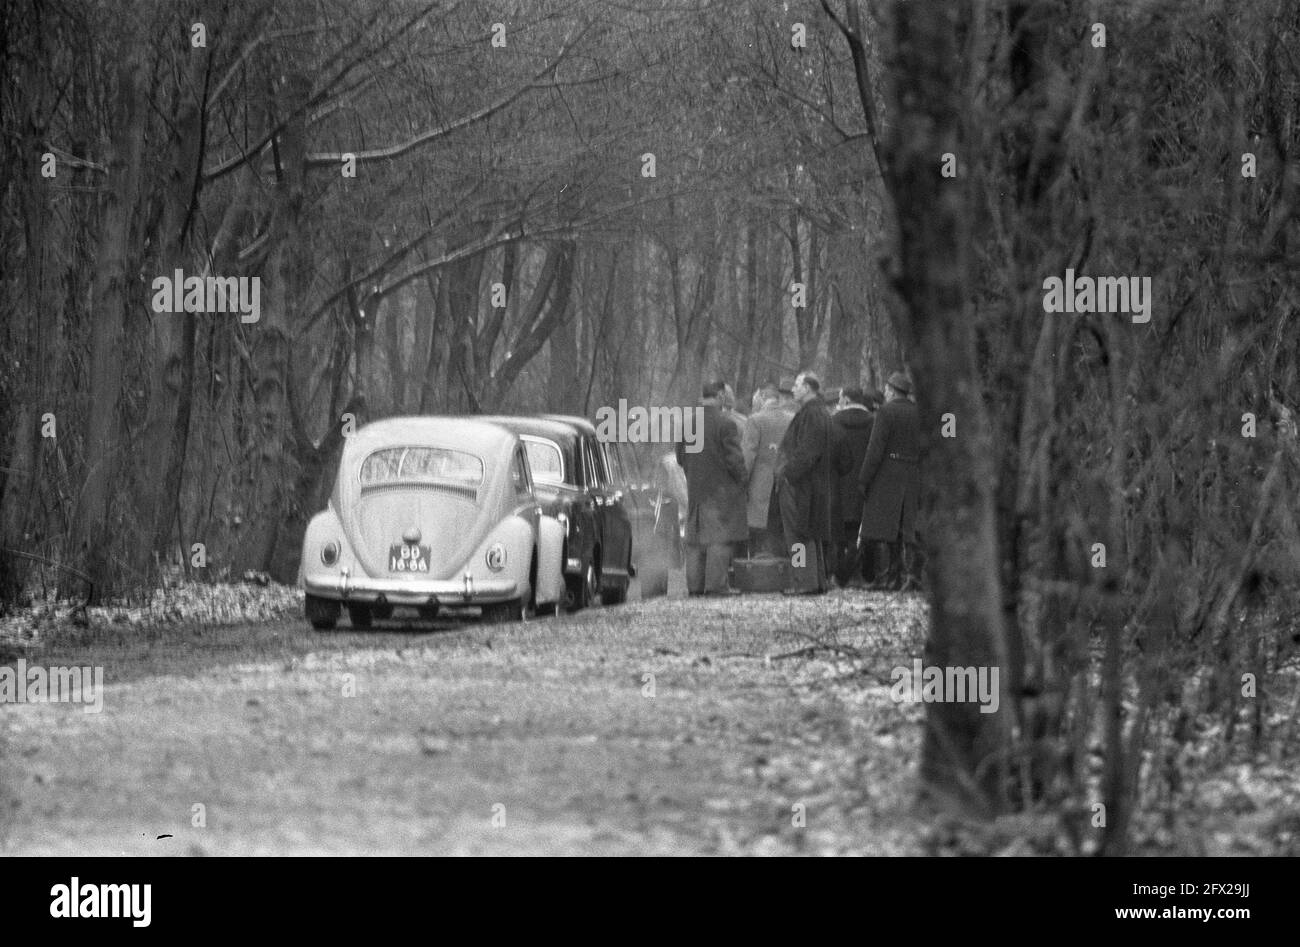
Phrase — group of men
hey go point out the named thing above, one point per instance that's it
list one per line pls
(833, 491)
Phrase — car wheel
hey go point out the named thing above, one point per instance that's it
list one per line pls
(503, 612)
(615, 596)
(582, 589)
(323, 613)
(360, 616)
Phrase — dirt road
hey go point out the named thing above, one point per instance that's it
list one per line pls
(673, 727)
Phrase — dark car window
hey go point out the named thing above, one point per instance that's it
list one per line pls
(614, 462)
(573, 463)
(599, 477)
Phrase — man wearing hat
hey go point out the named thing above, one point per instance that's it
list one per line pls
(805, 482)
(890, 480)
(772, 414)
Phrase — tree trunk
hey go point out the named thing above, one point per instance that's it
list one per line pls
(847, 303)
(429, 400)
(563, 395)
(172, 349)
(751, 372)
(963, 759)
(802, 317)
(270, 469)
(37, 386)
(466, 278)
(395, 335)
(95, 541)
(538, 320)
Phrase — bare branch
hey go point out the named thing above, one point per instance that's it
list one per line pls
(332, 158)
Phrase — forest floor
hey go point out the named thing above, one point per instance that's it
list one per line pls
(670, 727)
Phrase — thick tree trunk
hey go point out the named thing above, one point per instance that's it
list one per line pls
(270, 463)
(963, 754)
(16, 490)
(172, 351)
(95, 541)
(37, 337)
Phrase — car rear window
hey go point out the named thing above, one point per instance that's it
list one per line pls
(421, 465)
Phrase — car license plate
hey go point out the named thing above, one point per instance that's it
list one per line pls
(404, 558)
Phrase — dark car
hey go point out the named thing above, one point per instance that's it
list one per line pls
(635, 485)
(583, 485)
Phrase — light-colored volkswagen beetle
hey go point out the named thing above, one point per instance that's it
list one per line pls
(431, 512)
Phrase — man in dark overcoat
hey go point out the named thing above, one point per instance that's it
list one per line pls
(852, 423)
(890, 480)
(715, 488)
(805, 484)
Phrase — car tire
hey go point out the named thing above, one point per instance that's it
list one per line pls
(360, 616)
(582, 588)
(323, 613)
(616, 596)
(500, 613)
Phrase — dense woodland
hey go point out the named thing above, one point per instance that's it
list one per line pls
(793, 143)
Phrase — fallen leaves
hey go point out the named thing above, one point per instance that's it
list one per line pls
(179, 602)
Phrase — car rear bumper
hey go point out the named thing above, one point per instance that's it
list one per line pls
(464, 591)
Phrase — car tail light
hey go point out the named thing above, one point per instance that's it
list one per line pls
(496, 557)
(329, 553)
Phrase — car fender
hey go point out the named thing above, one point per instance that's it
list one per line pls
(550, 561)
(517, 535)
(325, 526)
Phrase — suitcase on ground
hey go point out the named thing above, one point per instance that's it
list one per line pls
(762, 574)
